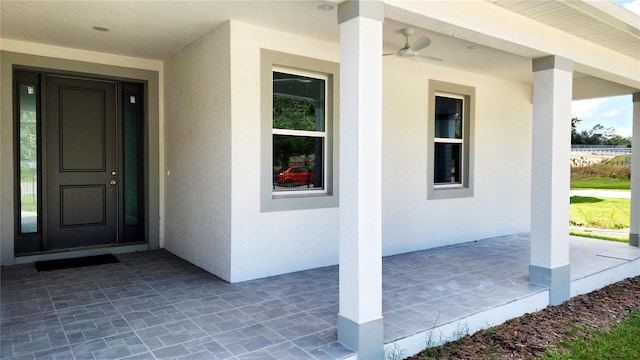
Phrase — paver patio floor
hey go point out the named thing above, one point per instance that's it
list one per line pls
(155, 305)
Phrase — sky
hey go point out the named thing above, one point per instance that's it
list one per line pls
(615, 112)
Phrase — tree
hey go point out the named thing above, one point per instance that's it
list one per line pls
(293, 114)
(574, 133)
(598, 135)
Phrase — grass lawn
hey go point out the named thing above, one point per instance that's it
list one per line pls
(621, 341)
(600, 213)
(29, 203)
(621, 238)
(601, 183)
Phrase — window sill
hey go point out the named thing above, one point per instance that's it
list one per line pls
(298, 194)
(449, 192)
(293, 201)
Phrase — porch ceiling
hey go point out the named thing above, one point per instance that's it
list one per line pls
(153, 29)
(158, 29)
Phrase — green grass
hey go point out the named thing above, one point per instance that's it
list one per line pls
(620, 342)
(599, 213)
(620, 159)
(29, 203)
(622, 238)
(601, 183)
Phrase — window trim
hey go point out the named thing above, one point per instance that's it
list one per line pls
(271, 61)
(468, 95)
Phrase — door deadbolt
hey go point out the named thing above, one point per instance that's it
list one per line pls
(113, 173)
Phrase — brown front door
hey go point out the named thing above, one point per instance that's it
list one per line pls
(81, 167)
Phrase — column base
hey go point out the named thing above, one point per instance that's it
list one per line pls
(633, 240)
(558, 280)
(367, 339)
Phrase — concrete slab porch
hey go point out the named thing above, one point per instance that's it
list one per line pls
(153, 305)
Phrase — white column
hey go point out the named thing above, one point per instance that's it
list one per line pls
(360, 318)
(635, 173)
(552, 89)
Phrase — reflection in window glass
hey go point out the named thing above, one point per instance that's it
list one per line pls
(448, 118)
(298, 102)
(297, 162)
(28, 159)
(299, 131)
(447, 163)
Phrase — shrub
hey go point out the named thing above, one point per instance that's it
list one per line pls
(608, 169)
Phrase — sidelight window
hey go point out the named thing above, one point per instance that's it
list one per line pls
(28, 134)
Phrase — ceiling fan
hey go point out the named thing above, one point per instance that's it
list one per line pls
(411, 51)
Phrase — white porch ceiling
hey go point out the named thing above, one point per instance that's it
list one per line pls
(157, 29)
(152, 29)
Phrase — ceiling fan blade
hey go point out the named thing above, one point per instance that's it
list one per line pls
(389, 54)
(420, 44)
(427, 59)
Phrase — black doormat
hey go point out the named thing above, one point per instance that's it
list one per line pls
(75, 262)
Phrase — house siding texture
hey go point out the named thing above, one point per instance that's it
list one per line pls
(213, 216)
(269, 243)
(500, 152)
(197, 219)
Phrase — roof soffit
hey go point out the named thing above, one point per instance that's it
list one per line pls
(598, 22)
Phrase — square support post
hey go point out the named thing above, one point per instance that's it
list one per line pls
(550, 176)
(635, 173)
(360, 319)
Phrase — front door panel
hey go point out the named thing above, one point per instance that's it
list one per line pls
(81, 165)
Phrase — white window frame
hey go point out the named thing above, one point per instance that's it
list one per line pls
(298, 200)
(461, 141)
(305, 133)
(466, 186)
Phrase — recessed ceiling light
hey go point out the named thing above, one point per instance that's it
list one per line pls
(100, 28)
(326, 7)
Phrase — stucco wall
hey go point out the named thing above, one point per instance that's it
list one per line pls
(270, 243)
(501, 154)
(198, 153)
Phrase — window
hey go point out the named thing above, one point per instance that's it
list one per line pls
(28, 154)
(451, 115)
(299, 128)
(299, 131)
(449, 140)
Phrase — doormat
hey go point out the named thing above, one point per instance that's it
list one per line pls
(75, 262)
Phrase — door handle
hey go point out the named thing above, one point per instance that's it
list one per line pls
(113, 182)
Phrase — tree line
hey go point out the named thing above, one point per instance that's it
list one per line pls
(598, 135)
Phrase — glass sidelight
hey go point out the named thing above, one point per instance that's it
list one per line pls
(133, 156)
(28, 157)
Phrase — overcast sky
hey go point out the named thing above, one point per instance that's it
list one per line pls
(615, 112)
